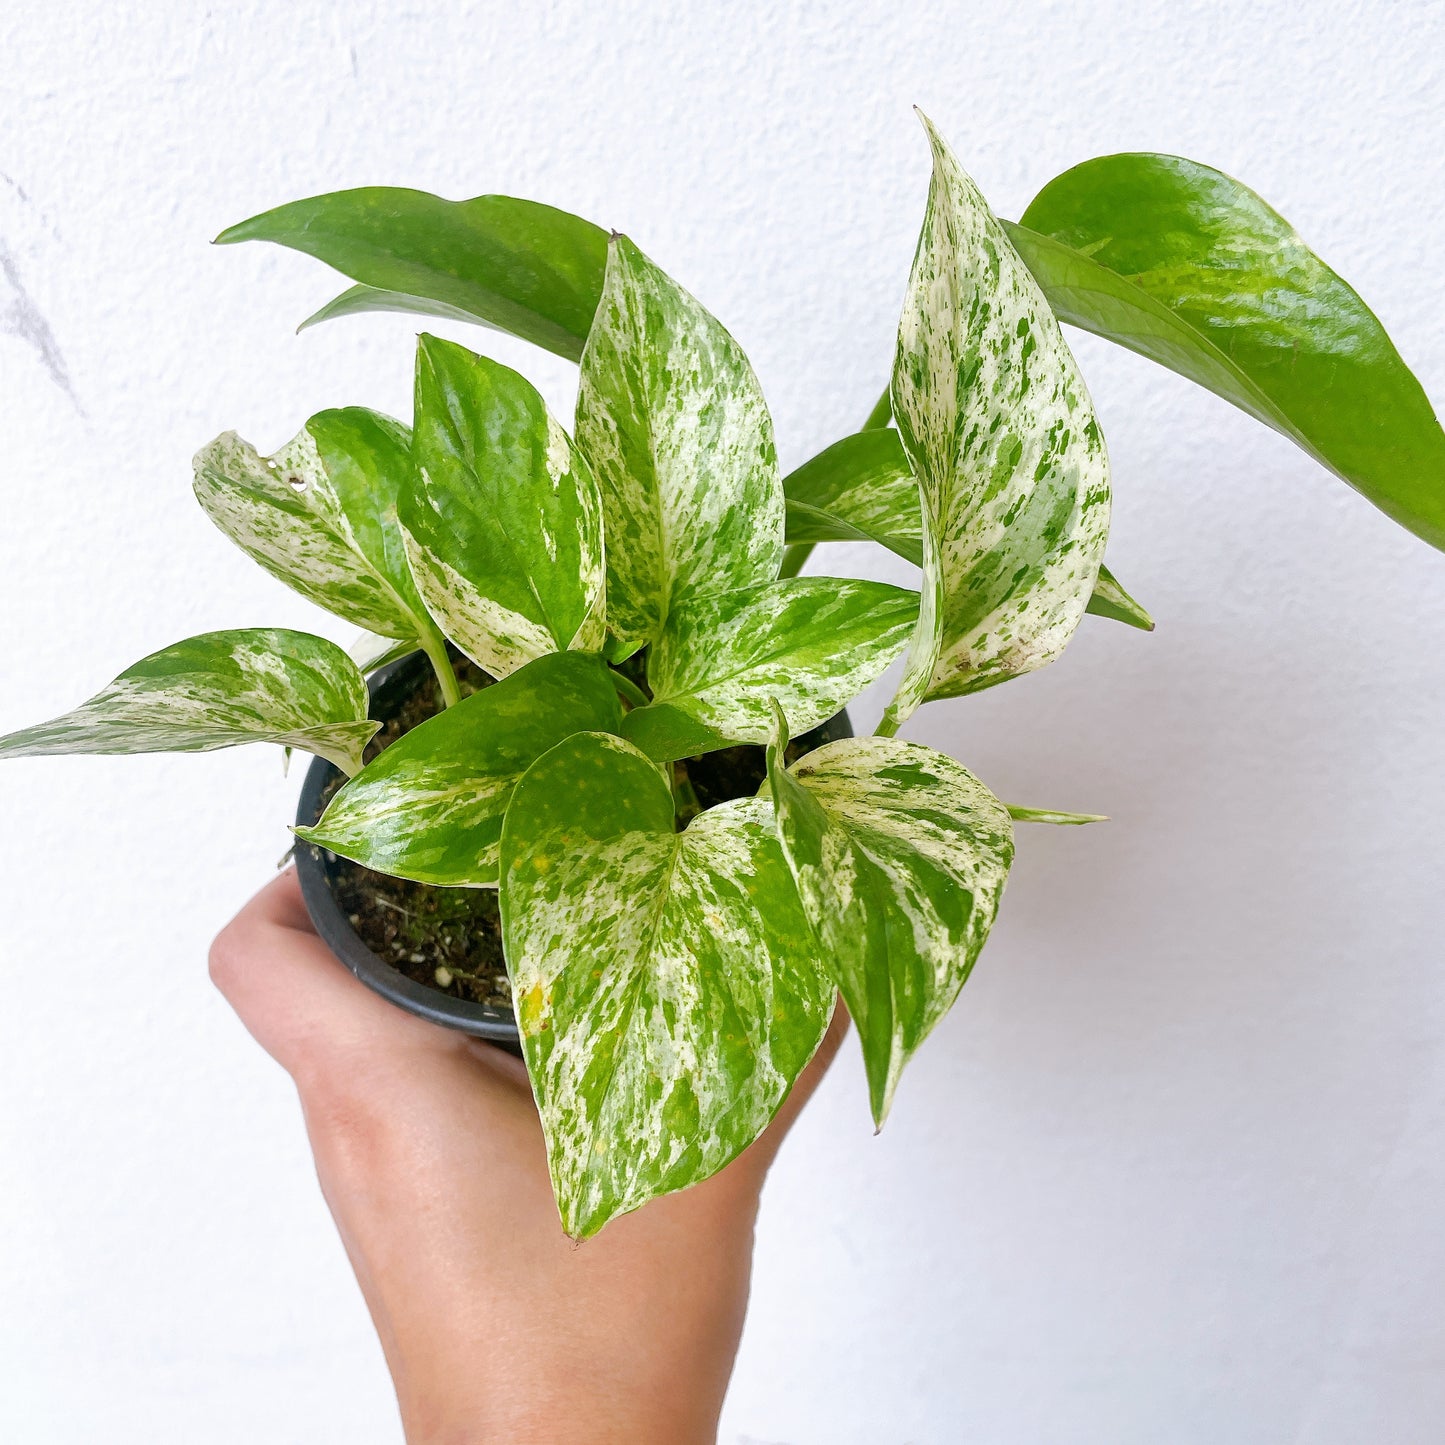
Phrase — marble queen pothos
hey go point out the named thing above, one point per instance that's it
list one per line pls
(672, 980)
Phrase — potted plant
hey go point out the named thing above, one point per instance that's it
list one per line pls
(595, 652)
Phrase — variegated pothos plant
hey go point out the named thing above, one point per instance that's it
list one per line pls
(671, 981)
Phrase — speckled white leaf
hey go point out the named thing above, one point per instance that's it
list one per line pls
(673, 421)
(900, 856)
(503, 523)
(215, 691)
(1060, 819)
(666, 983)
(321, 514)
(810, 643)
(1001, 433)
(862, 489)
(430, 806)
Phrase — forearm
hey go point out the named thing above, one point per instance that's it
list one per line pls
(493, 1333)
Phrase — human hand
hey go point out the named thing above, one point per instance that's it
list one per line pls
(495, 1325)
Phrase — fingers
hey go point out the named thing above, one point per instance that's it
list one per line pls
(296, 999)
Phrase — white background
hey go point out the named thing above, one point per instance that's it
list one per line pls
(1174, 1169)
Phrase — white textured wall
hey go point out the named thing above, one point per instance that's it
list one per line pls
(1173, 1169)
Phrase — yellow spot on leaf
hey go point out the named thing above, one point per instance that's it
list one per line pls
(531, 1007)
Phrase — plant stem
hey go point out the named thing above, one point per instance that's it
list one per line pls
(794, 558)
(435, 647)
(685, 802)
(629, 689)
(882, 412)
(887, 726)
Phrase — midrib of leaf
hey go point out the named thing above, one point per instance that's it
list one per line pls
(468, 788)
(778, 654)
(664, 535)
(518, 564)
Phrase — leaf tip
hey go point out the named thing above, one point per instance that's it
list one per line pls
(241, 231)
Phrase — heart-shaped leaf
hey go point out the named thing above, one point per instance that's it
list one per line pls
(862, 489)
(1001, 434)
(673, 421)
(253, 685)
(321, 515)
(515, 265)
(666, 983)
(430, 806)
(1184, 265)
(900, 856)
(810, 643)
(503, 523)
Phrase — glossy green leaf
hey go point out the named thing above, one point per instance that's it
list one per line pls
(321, 514)
(862, 489)
(810, 643)
(666, 733)
(503, 523)
(1190, 268)
(1001, 434)
(900, 856)
(216, 691)
(665, 983)
(359, 300)
(673, 421)
(430, 806)
(515, 265)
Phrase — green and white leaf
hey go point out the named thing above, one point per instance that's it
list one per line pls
(503, 524)
(810, 643)
(900, 856)
(430, 806)
(862, 489)
(215, 691)
(1052, 815)
(666, 983)
(1001, 434)
(320, 514)
(1111, 600)
(511, 264)
(370, 652)
(673, 421)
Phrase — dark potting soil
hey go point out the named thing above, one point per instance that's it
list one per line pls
(447, 938)
(450, 939)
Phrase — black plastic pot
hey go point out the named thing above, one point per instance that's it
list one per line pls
(390, 688)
